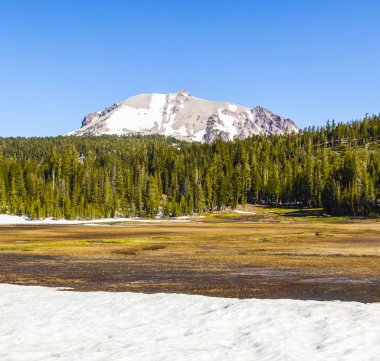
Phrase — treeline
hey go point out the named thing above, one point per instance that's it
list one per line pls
(336, 167)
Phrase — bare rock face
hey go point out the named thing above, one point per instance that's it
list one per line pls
(185, 117)
(89, 118)
(92, 117)
(213, 132)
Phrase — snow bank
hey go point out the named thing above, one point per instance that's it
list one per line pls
(6, 219)
(39, 323)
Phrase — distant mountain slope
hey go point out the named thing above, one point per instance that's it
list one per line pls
(185, 117)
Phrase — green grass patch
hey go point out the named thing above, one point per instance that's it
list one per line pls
(28, 245)
(329, 220)
(221, 215)
(113, 241)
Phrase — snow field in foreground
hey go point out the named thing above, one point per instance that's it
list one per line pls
(38, 323)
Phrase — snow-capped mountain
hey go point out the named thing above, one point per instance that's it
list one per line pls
(185, 117)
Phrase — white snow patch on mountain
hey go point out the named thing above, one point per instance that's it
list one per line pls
(38, 323)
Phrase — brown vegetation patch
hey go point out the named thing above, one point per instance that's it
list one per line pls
(154, 247)
(296, 257)
(126, 252)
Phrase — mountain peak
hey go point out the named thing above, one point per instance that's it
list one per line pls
(184, 92)
(182, 116)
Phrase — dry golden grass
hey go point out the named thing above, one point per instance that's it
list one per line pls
(220, 247)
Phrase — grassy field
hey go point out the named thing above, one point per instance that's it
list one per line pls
(263, 252)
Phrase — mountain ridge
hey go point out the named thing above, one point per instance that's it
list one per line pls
(184, 117)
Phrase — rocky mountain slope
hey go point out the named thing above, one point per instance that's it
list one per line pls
(184, 117)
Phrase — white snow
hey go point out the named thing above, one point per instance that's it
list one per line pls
(191, 217)
(136, 119)
(156, 107)
(39, 323)
(126, 117)
(9, 219)
(228, 122)
(175, 220)
(181, 131)
(198, 136)
(243, 212)
(6, 219)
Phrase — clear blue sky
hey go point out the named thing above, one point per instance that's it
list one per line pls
(307, 60)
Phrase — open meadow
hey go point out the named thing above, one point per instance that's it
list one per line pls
(256, 253)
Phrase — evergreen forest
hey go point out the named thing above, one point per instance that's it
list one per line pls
(336, 167)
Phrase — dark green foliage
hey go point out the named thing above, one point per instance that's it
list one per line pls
(337, 167)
